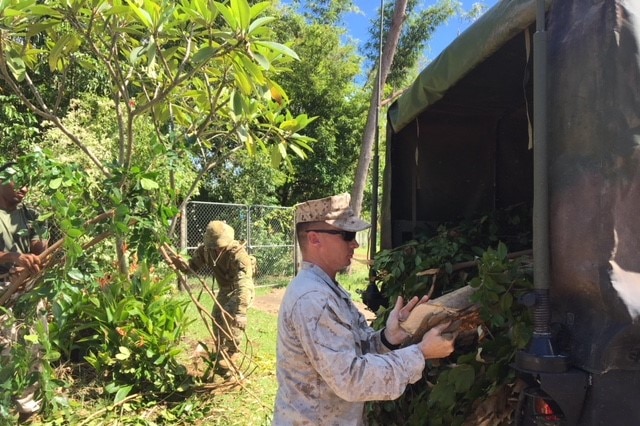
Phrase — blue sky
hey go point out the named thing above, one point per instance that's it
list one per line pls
(358, 24)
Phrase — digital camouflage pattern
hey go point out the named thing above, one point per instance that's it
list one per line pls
(334, 210)
(329, 361)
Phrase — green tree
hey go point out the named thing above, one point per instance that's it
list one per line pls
(322, 84)
(199, 71)
(188, 81)
(245, 179)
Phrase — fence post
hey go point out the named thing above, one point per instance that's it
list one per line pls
(182, 280)
(248, 225)
(183, 227)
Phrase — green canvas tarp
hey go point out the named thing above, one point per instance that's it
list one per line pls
(487, 35)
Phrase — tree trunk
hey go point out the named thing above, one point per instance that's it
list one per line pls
(357, 194)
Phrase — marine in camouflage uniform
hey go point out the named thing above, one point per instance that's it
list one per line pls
(233, 271)
(329, 360)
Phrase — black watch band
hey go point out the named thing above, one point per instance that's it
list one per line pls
(385, 342)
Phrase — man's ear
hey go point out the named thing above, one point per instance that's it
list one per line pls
(313, 238)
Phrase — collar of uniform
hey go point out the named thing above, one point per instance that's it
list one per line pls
(334, 285)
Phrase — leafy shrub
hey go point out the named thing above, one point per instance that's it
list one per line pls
(131, 332)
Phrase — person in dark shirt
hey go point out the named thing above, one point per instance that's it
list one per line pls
(20, 244)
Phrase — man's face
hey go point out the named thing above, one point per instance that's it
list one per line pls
(335, 251)
(10, 195)
(13, 186)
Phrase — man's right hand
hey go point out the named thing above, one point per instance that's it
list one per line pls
(28, 261)
(435, 345)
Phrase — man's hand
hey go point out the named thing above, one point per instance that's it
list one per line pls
(437, 344)
(393, 332)
(28, 261)
(180, 264)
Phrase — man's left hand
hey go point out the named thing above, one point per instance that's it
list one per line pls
(393, 332)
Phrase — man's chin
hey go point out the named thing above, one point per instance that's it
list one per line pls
(345, 269)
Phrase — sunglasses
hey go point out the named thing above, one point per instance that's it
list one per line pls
(348, 236)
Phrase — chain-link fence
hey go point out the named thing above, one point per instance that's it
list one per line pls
(267, 231)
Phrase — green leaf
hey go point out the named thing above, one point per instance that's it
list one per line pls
(260, 22)
(124, 353)
(242, 11)
(252, 69)
(258, 8)
(74, 232)
(75, 274)
(55, 183)
(243, 81)
(17, 66)
(502, 251)
(143, 15)
(203, 55)
(52, 355)
(148, 184)
(290, 125)
(60, 50)
(31, 338)
(3, 5)
(278, 47)
(300, 153)
(462, 377)
(262, 60)
(227, 14)
(237, 103)
(122, 393)
(283, 150)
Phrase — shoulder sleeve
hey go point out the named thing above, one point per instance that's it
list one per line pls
(245, 274)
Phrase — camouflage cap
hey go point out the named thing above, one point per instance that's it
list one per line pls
(334, 210)
(218, 234)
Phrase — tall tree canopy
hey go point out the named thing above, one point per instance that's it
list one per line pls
(322, 85)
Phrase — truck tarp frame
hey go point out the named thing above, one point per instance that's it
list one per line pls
(488, 34)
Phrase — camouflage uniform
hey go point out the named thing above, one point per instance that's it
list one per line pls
(329, 361)
(233, 271)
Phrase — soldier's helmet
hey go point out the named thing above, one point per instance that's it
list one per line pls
(218, 234)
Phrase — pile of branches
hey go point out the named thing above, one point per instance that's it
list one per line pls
(475, 283)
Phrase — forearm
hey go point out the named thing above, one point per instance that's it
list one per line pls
(8, 257)
(372, 376)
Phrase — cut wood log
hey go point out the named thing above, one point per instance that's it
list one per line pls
(455, 307)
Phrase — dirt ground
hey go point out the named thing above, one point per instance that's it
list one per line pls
(270, 302)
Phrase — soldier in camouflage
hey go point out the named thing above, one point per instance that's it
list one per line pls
(233, 271)
(329, 360)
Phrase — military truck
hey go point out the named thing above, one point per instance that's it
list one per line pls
(539, 102)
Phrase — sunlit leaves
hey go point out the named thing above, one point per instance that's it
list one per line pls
(162, 48)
